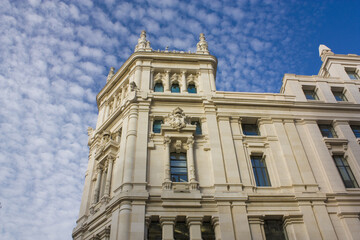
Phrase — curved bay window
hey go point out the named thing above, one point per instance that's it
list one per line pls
(175, 88)
(178, 167)
(191, 88)
(158, 87)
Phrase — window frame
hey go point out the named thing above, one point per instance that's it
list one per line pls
(162, 86)
(173, 160)
(313, 94)
(260, 170)
(356, 130)
(339, 94)
(198, 130)
(250, 132)
(345, 171)
(192, 92)
(353, 74)
(172, 87)
(160, 121)
(329, 129)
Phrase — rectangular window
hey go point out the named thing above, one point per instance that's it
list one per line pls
(178, 167)
(327, 131)
(310, 94)
(207, 231)
(250, 129)
(345, 171)
(339, 95)
(274, 229)
(157, 126)
(260, 171)
(352, 74)
(155, 231)
(356, 130)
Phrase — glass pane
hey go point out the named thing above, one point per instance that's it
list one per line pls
(181, 232)
(158, 87)
(327, 130)
(191, 88)
(178, 163)
(183, 178)
(155, 231)
(157, 126)
(198, 130)
(352, 75)
(250, 129)
(207, 232)
(175, 88)
(178, 170)
(310, 95)
(274, 230)
(356, 130)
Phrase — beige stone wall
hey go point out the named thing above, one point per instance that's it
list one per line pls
(131, 163)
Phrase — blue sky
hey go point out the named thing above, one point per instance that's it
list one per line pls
(55, 56)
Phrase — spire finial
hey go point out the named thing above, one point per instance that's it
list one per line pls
(111, 74)
(324, 51)
(143, 44)
(202, 46)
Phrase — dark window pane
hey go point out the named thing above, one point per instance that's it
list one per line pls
(155, 231)
(178, 167)
(198, 130)
(339, 96)
(157, 126)
(207, 231)
(260, 171)
(158, 87)
(250, 129)
(356, 130)
(345, 172)
(274, 230)
(352, 75)
(181, 232)
(327, 130)
(175, 88)
(310, 95)
(192, 88)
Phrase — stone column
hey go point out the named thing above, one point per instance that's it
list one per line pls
(122, 95)
(325, 225)
(152, 79)
(239, 213)
(108, 177)
(190, 159)
(257, 227)
(194, 225)
(106, 110)
(309, 219)
(130, 148)
(97, 184)
(167, 180)
(212, 81)
(167, 224)
(183, 81)
(351, 224)
(226, 221)
(124, 225)
(137, 77)
(167, 81)
(216, 226)
(147, 225)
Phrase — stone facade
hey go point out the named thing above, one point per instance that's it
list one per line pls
(172, 155)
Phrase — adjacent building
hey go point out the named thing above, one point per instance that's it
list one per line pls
(173, 158)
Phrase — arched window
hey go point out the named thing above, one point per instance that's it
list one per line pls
(175, 88)
(192, 88)
(158, 87)
(178, 167)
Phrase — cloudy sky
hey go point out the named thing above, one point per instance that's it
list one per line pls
(55, 55)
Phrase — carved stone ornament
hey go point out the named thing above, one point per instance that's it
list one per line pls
(143, 44)
(177, 119)
(111, 74)
(202, 46)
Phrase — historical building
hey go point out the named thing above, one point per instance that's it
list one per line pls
(173, 158)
